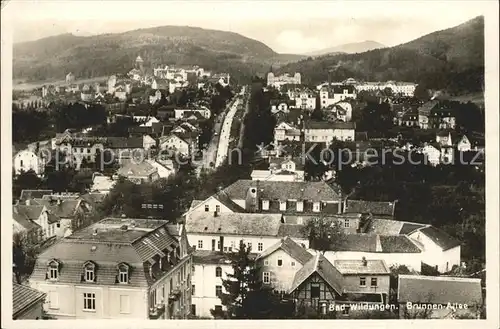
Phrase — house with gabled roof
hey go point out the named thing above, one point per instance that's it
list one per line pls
(440, 250)
(281, 169)
(446, 295)
(176, 143)
(224, 231)
(117, 268)
(35, 220)
(138, 171)
(326, 132)
(330, 95)
(280, 262)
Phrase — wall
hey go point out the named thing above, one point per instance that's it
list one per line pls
(281, 276)
(351, 284)
(212, 203)
(204, 280)
(30, 162)
(69, 303)
(434, 255)
(193, 239)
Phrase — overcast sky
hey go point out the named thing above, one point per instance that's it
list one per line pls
(285, 26)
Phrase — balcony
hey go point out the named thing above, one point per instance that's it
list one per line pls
(156, 312)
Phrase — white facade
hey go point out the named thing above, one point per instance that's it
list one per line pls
(464, 145)
(27, 160)
(179, 113)
(403, 88)
(305, 100)
(434, 255)
(175, 143)
(205, 280)
(278, 270)
(327, 135)
(329, 97)
(280, 80)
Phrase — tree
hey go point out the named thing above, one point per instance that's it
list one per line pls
(245, 297)
(28, 180)
(24, 253)
(324, 234)
(421, 92)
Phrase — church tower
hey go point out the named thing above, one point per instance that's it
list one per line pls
(139, 63)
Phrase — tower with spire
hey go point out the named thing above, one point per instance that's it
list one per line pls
(139, 63)
(270, 76)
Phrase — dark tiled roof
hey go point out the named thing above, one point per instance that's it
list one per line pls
(276, 162)
(353, 267)
(292, 230)
(23, 297)
(441, 238)
(110, 247)
(358, 242)
(27, 215)
(439, 290)
(373, 207)
(407, 228)
(329, 125)
(291, 248)
(312, 191)
(398, 244)
(134, 168)
(65, 209)
(319, 264)
(234, 223)
(124, 143)
(30, 194)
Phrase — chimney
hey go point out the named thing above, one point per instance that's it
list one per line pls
(28, 202)
(363, 260)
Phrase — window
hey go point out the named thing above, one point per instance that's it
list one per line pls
(218, 272)
(213, 244)
(218, 244)
(315, 290)
(218, 291)
(53, 270)
(346, 222)
(345, 310)
(292, 264)
(362, 281)
(89, 273)
(280, 262)
(266, 262)
(233, 244)
(89, 301)
(266, 277)
(193, 309)
(260, 246)
(200, 244)
(249, 244)
(217, 208)
(373, 282)
(123, 274)
(207, 207)
(53, 300)
(124, 304)
(316, 206)
(22, 164)
(193, 290)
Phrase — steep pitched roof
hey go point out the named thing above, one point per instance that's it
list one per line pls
(234, 223)
(313, 191)
(320, 265)
(291, 248)
(22, 219)
(439, 290)
(398, 244)
(130, 168)
(440, 237)
(65, 209)
(223, 198)
(312, 124)
(23, 297)
(384, 226)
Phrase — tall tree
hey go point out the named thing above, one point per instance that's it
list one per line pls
(245, 296)
(324, 234)
(24, 253)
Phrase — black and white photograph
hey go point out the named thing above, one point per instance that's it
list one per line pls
(237, 160)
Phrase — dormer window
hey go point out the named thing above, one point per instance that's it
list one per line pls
(265, 204)
(316, 207)
(282, 205)
(89, 272)
(53, 270)
(300, 205)
(123, 271)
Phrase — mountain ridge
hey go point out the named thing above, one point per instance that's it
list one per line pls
(349, 48)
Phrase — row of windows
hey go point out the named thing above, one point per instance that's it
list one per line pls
(373, 282)
(89, 301)
(260, 245)
(279, 262)
(89, 272)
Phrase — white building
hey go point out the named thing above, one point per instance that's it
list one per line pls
(281, 169)
(180, 113)
(281, 80)
(27, 160)
(305, 100)
(439, 249)
(326, 132)
(401, 88)
(330, 95)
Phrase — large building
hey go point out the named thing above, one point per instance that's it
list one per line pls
(281, 80)
(117, 268)
(397, 88)
(330, 95)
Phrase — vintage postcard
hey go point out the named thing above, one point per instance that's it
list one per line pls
(311, 162)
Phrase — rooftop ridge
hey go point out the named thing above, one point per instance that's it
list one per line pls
(438, 278)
